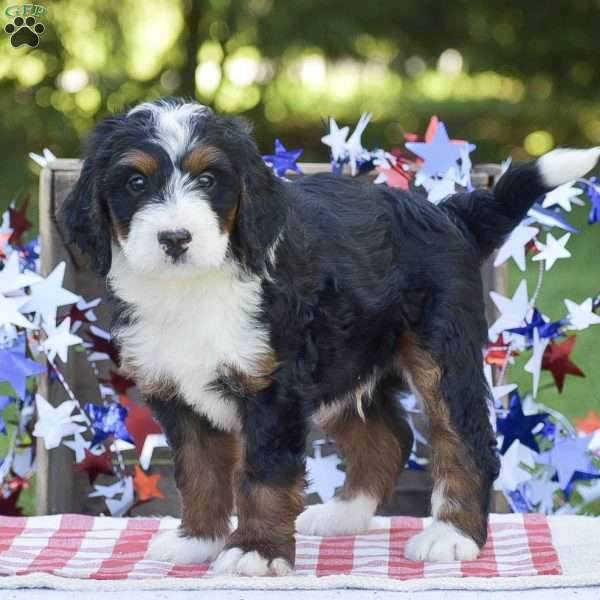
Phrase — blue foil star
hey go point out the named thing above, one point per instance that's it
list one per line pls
(548, 217)
(578, 476)
(107, 420)
(546, 329)
(571, 458)
(440, 154)
(28, 255)
(593, 193)
(517, 426)
(283, 160)
(15, 367)
(518, 501)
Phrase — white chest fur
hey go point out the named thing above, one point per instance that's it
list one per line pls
(184, 328)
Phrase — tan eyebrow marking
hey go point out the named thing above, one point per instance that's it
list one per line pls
(140, 160)
(198, 159)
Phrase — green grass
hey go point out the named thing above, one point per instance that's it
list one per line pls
(27, 498)
(576, 278)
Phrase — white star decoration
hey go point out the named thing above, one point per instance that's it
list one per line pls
(323, 475)
(336, 139)
(59, 340)
(152, 441)
(123, 487)
(42, 159)
(562, 196)
(541, 490)
(581, 315)
(48, 295)
(410, 405)
(354, 144)
(55, 423)
(534, 364)
(79, 445)
(498, 391)
(107, 491)
(119, 507)
(11, 279)
(512, 310)
(9, 312)
(440, 188)
(512, 473)
(553, 249)
(514, 247)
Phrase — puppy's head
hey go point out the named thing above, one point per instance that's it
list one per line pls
(166, 183)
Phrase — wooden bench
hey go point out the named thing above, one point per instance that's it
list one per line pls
(60, 488)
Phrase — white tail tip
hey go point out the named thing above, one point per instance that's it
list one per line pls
(565, 164)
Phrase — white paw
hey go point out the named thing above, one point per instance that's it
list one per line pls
(338, 517)
(171, 546)
(235, 561)
(441, 542)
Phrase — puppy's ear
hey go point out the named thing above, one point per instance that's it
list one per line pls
(261, 206)
(84, 216)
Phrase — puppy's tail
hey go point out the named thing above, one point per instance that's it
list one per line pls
(490, 216)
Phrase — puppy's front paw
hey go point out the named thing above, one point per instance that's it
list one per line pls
(174, 547)
(234, 561)
(441, 542)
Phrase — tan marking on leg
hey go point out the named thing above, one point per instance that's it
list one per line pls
(374, 454)
(267, 515)
(205, 464)
(457, 483)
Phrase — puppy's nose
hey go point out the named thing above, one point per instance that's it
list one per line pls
(175, 241)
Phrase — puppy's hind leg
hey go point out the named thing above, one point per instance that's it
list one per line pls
(375, 450)
(464, 462)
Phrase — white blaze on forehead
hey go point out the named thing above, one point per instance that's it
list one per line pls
(173, 123)
(183, 209)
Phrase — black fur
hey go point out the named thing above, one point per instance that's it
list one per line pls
(358, 267)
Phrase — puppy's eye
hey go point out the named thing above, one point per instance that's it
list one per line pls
(136, 184)
(206, 180)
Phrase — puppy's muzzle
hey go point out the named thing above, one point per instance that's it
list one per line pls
(175, 242)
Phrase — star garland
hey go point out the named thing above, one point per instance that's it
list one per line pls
(548, 465)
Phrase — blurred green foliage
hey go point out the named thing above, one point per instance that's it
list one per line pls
(515, 78)
(511, 77)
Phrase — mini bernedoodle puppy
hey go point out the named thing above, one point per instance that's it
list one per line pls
(247, 305)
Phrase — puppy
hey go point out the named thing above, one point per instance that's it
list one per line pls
(245, 305)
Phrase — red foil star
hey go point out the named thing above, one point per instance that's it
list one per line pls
(497, 353)
(557, 360)
(8, 506)
(101, 345)
(146, 486)
(18, 222)
(139, 423)
(17, 483)
(120, 383)
(96, 464)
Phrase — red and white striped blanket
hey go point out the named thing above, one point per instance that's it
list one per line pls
(93, 549)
